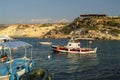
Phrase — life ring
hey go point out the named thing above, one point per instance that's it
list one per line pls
(42, 74)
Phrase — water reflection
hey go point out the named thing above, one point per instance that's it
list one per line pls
(73, 58)
(75, 62)
(81, 56)
(82, 61)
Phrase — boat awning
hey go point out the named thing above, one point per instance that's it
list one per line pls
(15, 44)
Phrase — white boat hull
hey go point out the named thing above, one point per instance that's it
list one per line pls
(45, 43)
(78, 50)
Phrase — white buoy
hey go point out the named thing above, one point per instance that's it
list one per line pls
(49, 56)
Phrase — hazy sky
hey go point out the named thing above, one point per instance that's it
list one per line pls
(41, 11)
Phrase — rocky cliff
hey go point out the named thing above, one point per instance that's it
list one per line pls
(94, 27)
(87, 27)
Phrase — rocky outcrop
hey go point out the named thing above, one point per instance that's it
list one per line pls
(95, 27)
(87, 27)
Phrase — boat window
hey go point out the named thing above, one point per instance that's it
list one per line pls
(18, 68)
(69, 44)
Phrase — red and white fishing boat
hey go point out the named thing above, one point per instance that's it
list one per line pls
(74, 46)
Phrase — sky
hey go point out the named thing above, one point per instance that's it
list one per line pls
(50, 11)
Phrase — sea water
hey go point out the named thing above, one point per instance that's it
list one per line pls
(104, 65)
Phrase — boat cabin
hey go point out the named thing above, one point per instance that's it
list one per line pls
(73, 44)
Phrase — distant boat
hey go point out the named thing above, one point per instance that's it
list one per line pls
(45, 43)
(74, 46)
(5, 38)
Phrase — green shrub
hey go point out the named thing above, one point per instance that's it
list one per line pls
(66, 30)
(115, 31)
(112, 23)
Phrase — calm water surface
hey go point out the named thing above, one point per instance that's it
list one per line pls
(104, 65)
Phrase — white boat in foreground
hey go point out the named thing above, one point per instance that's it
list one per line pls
(12, 68)
(74, 46)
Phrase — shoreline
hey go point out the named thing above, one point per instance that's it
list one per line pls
(64, 38)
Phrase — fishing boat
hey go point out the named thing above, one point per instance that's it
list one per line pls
(74, 46)
(13, 67)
